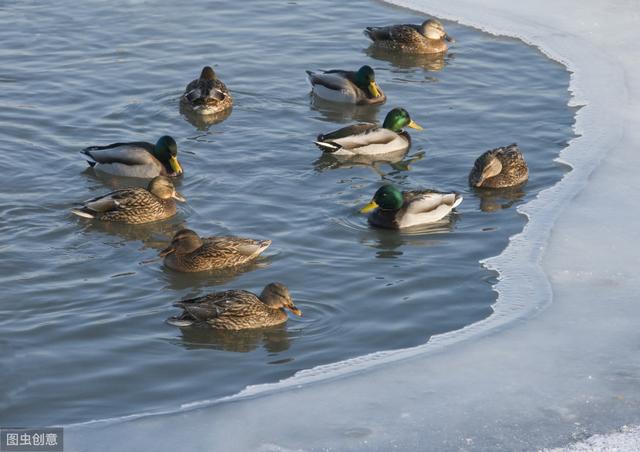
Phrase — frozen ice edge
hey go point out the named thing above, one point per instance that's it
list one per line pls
(521, 276)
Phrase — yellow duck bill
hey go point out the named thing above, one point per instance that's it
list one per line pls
(415, 125)
(369, 207)
(175, 165)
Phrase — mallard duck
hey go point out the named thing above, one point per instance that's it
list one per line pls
(370, 139)
(351, 87)
(499, 168)
(136, 159)
(190, 253)
(393, 209)
(429, 37)
(237, 309)
(134, 205)
(207, 95)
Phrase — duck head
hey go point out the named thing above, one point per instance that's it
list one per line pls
(433, 29)
(387, 197)
(366, 79)
(397, 119)
(489, 166)
(207, 73)
(163, 188)
(277, 296)
(183, 242)
(166, 151)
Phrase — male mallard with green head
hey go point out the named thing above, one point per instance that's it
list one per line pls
(370, 139)
(395, 209)
(134, 205)
(351, 87)
(237, 309)
(136, 159)
(207, 95)
(429, 37)
(499, 168)
(188, 252)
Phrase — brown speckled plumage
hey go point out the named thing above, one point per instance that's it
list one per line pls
(512, 168)
(134, 205)
(409, 38)
(207, 95)
(237, 309)
(190, 253)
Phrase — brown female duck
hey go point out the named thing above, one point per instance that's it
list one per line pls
(499, 168)
(237, 309)
(207, 95)
(134, 205)
(190, 253)
(429, 37)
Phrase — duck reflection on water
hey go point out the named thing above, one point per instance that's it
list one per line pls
(274, 339)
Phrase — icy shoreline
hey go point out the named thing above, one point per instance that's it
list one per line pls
(539, 383)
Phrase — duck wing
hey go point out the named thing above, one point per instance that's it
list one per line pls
(398, 33)
(214, 305)
(135, 153)
(203, 91)
(334, 80)
(118, 200)
(358, 136)
(224, 245)
(422, 201)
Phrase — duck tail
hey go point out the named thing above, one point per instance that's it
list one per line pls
(457, 201)
(84, 213)
(87, 152)
(179, 322)
(327, 146)
(368, 32)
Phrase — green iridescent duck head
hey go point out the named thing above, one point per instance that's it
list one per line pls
(397, 119)
(366, 79)
(386, 197)
(166, 151)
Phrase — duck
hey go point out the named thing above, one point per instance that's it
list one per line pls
(188, 252)
(350, 87)
(394, 209)
(207, 95)
(237, 309)
(429, 37)
(499, 168)
(134, 205)
(370, 139)
(138, 159)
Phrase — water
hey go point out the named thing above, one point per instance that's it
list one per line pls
(83, 307)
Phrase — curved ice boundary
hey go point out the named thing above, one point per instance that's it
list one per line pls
(502, 384)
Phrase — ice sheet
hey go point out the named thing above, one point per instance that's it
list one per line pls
(536, 374)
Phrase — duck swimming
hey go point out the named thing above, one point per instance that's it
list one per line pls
(370, 139)
(237, 309)
(136, 159)
(393, 209)
(188, 252)
(207, 95)
(351, 87)
(429, 37)
(134, 205)
(499, 168)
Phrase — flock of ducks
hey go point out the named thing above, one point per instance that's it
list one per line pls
(390, 208)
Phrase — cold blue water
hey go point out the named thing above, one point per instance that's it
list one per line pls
(83, 304)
